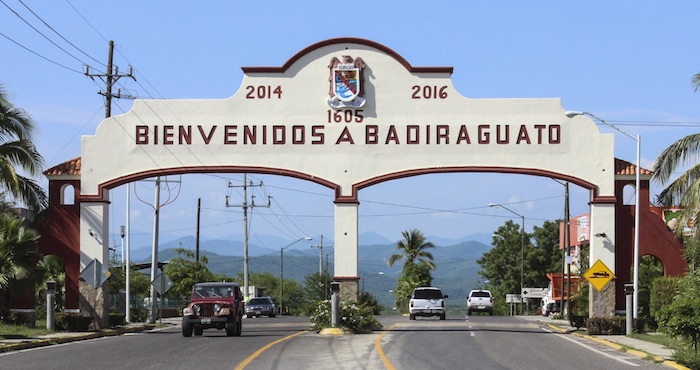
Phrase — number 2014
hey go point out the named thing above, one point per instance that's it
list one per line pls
(263, 92)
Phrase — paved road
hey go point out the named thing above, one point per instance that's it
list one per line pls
(481, 342)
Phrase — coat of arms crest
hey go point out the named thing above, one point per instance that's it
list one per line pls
(346, 83)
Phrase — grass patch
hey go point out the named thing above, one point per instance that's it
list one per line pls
(658, 339)
(23, 331)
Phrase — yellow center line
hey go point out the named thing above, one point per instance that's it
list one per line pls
(377, 345)
(257, 353)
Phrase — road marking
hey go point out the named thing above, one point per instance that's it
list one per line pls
(471, 334)
(257, 353)
(594, 350)
(378, 346)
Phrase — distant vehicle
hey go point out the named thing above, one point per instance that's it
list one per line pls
(214, 305)
(426, 301)
(260, 306)
(480, 301)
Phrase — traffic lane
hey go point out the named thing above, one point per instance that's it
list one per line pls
(486, 342)
(159, 349)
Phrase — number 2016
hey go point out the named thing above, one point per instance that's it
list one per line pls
(429, 92)
(263, 92)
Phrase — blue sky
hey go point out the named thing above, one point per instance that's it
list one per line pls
(628, 62)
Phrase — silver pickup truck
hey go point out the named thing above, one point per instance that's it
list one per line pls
(426, 301)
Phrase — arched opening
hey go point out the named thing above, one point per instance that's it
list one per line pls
(68, 195)
(628, 195)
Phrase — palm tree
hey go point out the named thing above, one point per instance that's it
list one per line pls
(684, 191)
(18, 253)
(18, 151)
(414, 250)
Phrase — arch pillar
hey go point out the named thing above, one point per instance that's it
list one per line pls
(602, 304)
(94, 245)
(346, 256)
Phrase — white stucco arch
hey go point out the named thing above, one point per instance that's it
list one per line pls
(413, 121)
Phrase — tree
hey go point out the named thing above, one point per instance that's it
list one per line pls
(18, 255)
(414, 249)
(17, 151)
(501, 265)
(684, 191)
(545, 256)
(184, 272)
(313, 291)
(416, 267)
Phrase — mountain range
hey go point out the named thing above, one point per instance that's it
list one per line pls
(456, 272)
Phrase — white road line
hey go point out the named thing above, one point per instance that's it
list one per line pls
(594, 350)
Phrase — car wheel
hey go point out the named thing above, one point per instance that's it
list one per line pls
(272, 315)
(198, 330)
(231, 329)
(442, 317)
(249, 316)
(469, 312)
(411, 317)
(239, 327)
(490, 313)
(186, 328)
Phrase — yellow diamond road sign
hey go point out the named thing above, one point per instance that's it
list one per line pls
(599, 275)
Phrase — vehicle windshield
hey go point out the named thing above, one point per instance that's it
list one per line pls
(213, 291)
(427, 294)
(259, 301)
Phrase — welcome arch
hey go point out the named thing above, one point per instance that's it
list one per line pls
(346, 113)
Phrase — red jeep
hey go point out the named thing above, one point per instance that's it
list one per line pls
(214, 305)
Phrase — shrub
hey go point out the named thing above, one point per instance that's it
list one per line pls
(72, 322)
(116, 319)
(606, 325)
(357, 318)
(687, 356)
(663, 290)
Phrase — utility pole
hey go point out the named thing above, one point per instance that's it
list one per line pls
(199, 212)
(245, 207)
(110, 78)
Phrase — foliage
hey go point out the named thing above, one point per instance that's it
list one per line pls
(72, 322)
(354, 316)
(184, 272)
(367, 299)
(615, 325)
(682, 318)
(48, 268)
(17, 151)
(18, 255)
(416, 267)
(292, 291)
(314, 290)
(545, 256)
(687, 356)
(413, 276)
(413, 248)
(664, 289)
(691, 253)
(650, 268)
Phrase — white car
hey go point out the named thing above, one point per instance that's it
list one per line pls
(480, 301)
(426, 301)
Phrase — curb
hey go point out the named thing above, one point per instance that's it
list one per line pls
(619, 347)
(36, 343)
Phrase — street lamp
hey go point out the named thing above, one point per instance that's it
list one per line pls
(282, 270)
(522, 241)
(635, 280)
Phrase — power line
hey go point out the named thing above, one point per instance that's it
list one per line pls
(39, 55)
(59, 35)
(39, 32)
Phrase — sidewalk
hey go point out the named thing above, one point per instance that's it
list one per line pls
(634, 346)
(7, 345)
